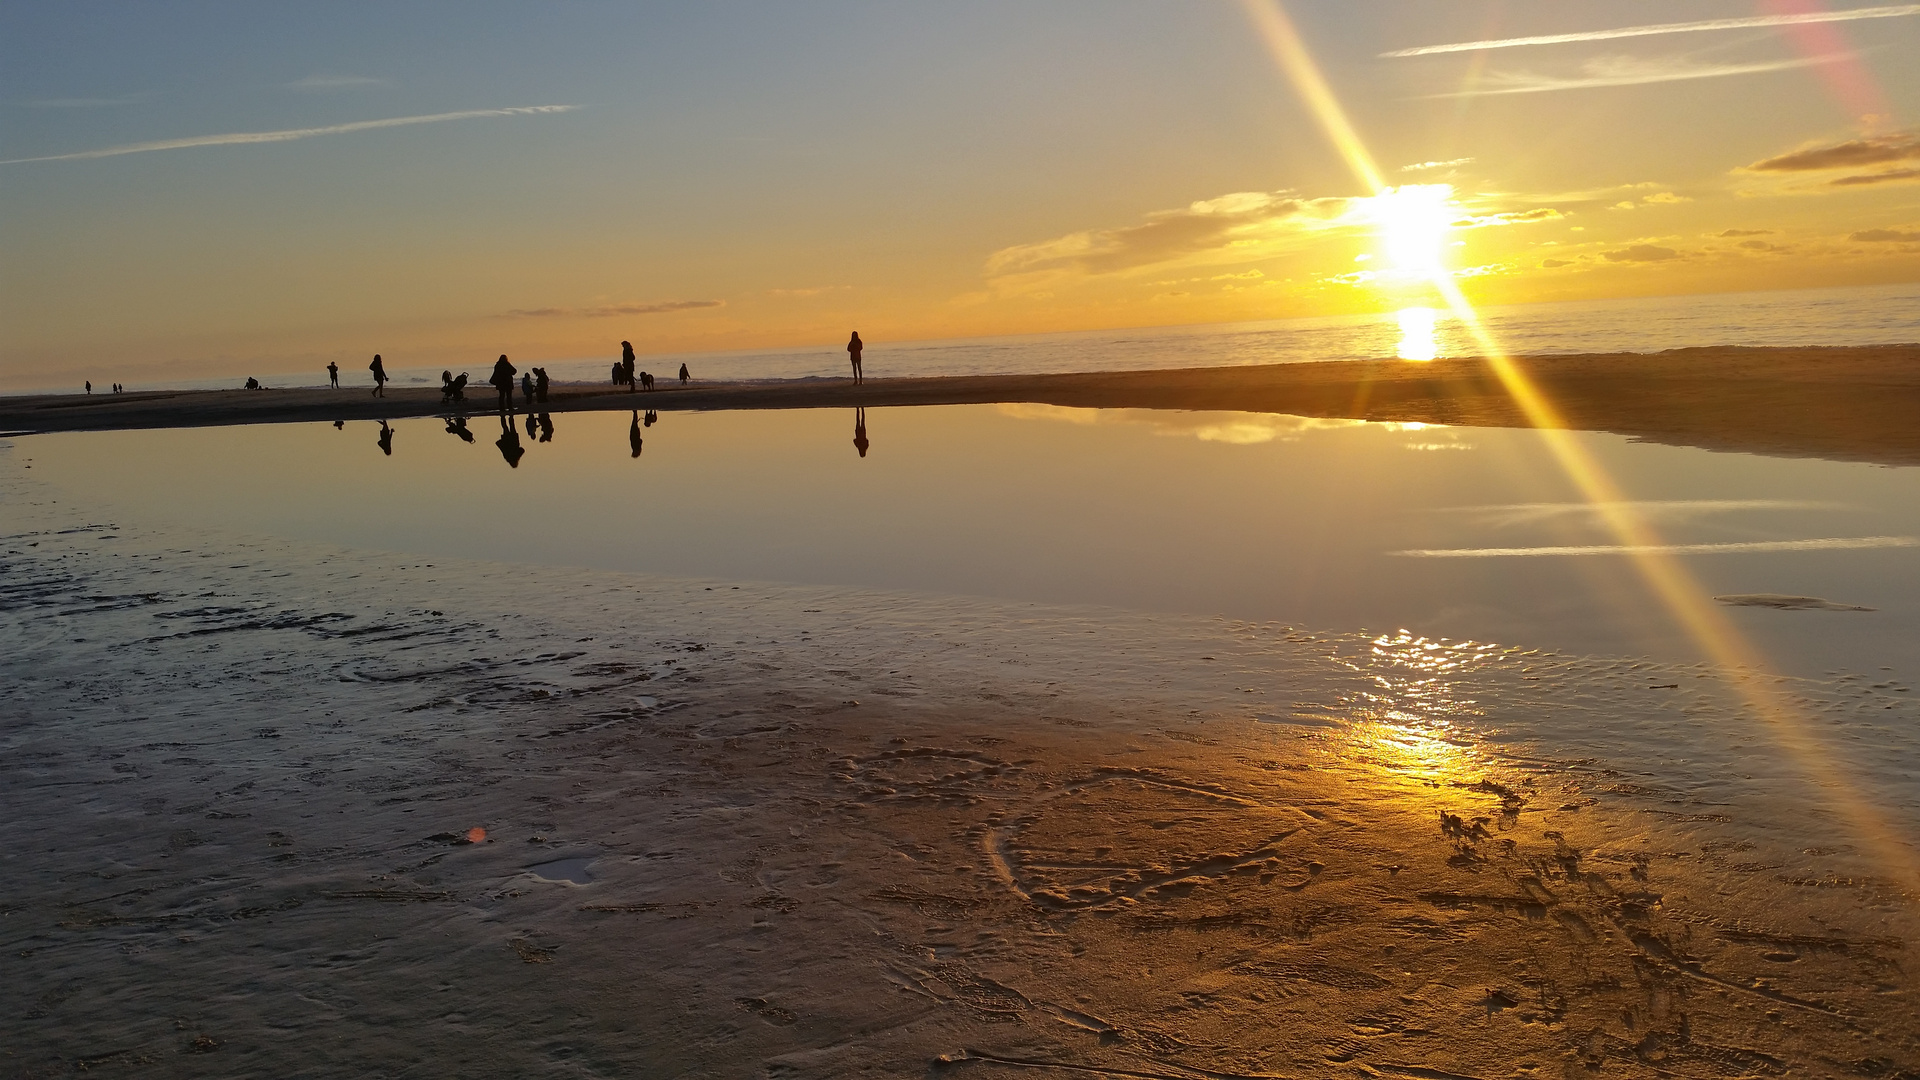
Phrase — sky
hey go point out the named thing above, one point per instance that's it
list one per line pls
(201, 189)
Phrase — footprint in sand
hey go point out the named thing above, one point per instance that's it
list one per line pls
(568, 871)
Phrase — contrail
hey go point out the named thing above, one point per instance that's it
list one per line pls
(1890, 11)
(1831, 543)
(291, 134)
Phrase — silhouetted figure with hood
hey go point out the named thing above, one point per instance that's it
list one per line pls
(853, 353)
(386, 439)
(509, 440)
(502, 381)
(540, 385)
(626, 364)
(860, 430)
(333, 375)
(633, 434)
(684, 375)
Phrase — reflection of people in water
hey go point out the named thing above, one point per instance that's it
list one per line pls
(386, 439)
(853, 353)
(626, 364)
(502, 380)
(860, 430)
(546, 427)
(339, 425)
(684, 375)
(651, 418)
(530, 423)
(633, 434)
(379, 369)
(457, 425)
(509, 441)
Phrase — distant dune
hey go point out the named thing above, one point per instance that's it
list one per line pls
(1846, 404)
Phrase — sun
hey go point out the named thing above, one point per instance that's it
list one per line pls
(1412, 223)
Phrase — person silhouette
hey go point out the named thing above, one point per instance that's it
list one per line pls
(546, 427)
(526, 387)
(633, 434)
(530, 423)
(386, 439)
(684, 375)
(509, 442)
(89, 386)
(333, 375)
(860, 442)
(626, 364)
(540, 384)
(457, 425)
(853, 353)
(379, 370)
(502, 380)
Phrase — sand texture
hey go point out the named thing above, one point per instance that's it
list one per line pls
(767, 831)
(1844, 404)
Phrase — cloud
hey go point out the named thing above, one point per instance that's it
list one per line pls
(1882, 236)
(1877, 178)
(1248, 223)
(336, 82)
(1554, 264)
(612, 309)
(1828, 543)
(1642, 253)
(816, 290)
(290, 134)
(1628, 71)
(1852, 154)
(1649, 30)
(1665, 197)
(1512, 217)
(1447, 164)
(1730, 233)
(1760, 245)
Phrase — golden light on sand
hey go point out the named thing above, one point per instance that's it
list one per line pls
(1416, 333)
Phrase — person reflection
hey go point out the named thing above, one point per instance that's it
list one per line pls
(339, 425)
(386, 439)
(546, 427)
(530, 425)
(860, 430)
(651, 418)
(509, 442)
(633, 434)
(457, 425)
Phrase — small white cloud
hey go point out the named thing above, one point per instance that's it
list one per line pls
(1424, 165)
(1665, 197)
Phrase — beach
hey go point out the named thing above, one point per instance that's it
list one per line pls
(1847, 404)
(290, 807)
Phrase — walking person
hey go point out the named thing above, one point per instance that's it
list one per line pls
(684, 375)
(333, 375)
(626, 364)
(502, 381)
(379, 370)
(853, 353)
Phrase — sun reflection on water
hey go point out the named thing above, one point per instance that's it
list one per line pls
(1413, 720)
(1416, 333)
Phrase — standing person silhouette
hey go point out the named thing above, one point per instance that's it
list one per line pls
(379, 370)
(860, 430)
(626, 364)
(684, 375)
(89, 386)
(502, 381)
(333, 375)
(853, 353)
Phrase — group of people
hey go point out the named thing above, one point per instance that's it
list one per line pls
(117, 388)
(625, 375)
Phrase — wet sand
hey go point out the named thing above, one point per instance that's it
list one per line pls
(282, 809)
(1845, 404)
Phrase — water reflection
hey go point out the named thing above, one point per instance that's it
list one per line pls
(650, 418)
(633, 434)
(457, 425)
(386, 439)
(860, 430)
(509, 442)
(546, 425)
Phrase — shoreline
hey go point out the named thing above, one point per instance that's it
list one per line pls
(1854, 403)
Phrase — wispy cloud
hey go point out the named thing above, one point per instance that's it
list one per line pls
(1888, 177)
(612, 309)
(1653, 29)
(291, 134)
(1642, 253)
(1628, 71)
(1447, 164)
(336, 82)
(1506, 515)
(1170, 237)
(1830, 543)
(1884, 236)
(1852, 154)
(807, 293)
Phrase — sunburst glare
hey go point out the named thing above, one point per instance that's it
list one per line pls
(1416, 333)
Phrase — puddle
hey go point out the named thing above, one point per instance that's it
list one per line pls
(573, 871)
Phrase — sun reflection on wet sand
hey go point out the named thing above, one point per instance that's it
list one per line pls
(1416, 334)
